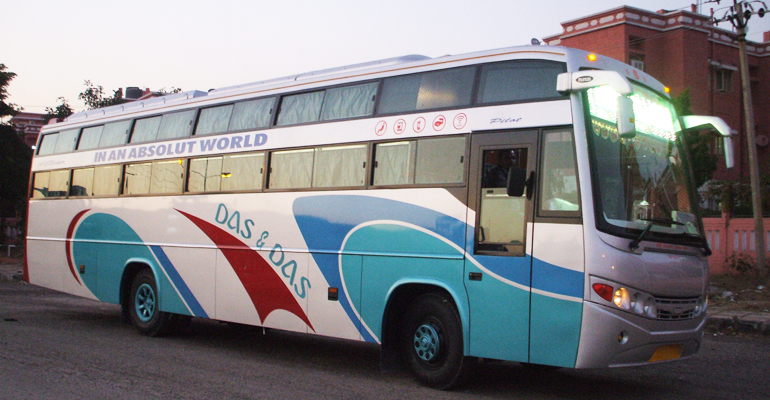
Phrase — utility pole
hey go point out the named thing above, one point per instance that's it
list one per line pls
(739, 16)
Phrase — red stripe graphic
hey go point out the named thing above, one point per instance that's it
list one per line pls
(266, 289)
(68, 244)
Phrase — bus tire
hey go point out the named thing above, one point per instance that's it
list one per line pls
(144, 306)
(433, 339)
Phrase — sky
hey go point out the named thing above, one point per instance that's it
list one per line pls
(55, 46)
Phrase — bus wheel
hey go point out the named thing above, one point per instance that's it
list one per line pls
(434, 342)
(144, 306)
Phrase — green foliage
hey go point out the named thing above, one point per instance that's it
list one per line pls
(743, 263)
(735, 197)
(6, 109)
(703, 162)
(164, 91)
(15, 162)
(94, 98)
(61, 111)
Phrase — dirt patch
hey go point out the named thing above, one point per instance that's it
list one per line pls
(739, 293)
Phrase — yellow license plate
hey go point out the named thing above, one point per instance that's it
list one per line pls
(668, 352)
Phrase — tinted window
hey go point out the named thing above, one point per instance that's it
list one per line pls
(243, 171)
(115, 134)
(291, 169)
(431, 90)
(146, 129)
(251, 114)
(67, 141)
(176, 125)
(107, 180)
(349, 101)
(519, 80)
(426, 161)
(90, 137)
(40, 185)
(300, 108)
(205, 175)
(48, 144)
(214, 120)
(82, 182)
(340, 166)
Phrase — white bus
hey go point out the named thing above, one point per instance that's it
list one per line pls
(530, 204)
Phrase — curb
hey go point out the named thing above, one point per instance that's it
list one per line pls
(11, 278)
(747, 324)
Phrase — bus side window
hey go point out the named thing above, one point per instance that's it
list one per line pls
(394, 163)
(559, 174)
(214, 120)
(82, 182)
(242, 171)
(137, 178)
(146, 129)
(519, 80)
(252, 114)
(58, 184)
(440, 160)
(349, 101)
(430, 90)
(115, 134)
(40, 185)
(67, 141)
(300, 108)
(205, 175)
(340, 166)
(291, 169)
(90, 137)
(107, 180)
(48, 144)
(167, 176)
(176, 125)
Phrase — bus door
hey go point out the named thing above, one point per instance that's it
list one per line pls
(499, 264)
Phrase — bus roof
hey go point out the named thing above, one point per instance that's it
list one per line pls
(575, 59)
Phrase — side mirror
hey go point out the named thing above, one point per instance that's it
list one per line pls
(517, 181)
(626, 118)
(716, 123)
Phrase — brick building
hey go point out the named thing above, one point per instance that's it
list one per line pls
(28, 125)
(684, 49)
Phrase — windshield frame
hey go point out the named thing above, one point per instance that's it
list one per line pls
(675, 233)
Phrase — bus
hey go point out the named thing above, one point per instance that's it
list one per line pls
(529, 204)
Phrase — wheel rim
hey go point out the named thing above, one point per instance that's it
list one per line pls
(426, 343)
(145, 302)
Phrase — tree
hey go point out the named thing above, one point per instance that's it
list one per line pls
(94, 98)
(703, 162)
(5, 79)
(61, 111)
(15, 160)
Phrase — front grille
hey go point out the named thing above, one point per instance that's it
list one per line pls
(676, 309)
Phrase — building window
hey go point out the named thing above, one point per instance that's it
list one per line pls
(636, 61)
(723, 80)
(718, 146)
(636, 43)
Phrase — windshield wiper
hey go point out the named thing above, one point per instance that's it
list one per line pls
(704, 244)
(664, 221)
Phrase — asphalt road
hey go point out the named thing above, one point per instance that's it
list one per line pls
(54, 345)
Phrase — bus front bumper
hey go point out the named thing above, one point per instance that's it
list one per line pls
(614, 338)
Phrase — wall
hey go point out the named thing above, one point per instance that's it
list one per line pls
(728, 236)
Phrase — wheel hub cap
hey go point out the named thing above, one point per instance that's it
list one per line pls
(145, 302)
(426, 342)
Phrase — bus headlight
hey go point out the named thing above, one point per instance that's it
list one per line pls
(650, 308)
(622, 299)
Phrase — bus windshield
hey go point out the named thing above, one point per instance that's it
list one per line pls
(641, 183)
